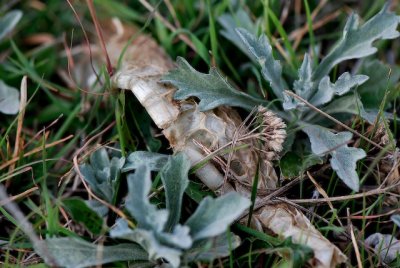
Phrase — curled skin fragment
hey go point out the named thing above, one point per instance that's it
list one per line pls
(289, 222)
(186, 128)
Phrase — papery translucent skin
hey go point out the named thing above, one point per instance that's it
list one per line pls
(182, 123)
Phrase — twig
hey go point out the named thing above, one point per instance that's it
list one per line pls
(21, 115)
(36, 150)
(346, 197)
(15, 197)
(354, 241)
(173, 13)
(86, 39)
(43, 130)
(323, 193)
(15, 172)
(184, 38)
(100, 35)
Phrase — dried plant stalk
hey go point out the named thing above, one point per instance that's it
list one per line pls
(198, 133)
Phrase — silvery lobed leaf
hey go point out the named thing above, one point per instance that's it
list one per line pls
(343, 158)
(356, 41)
(387, 246)
(174, 176)
(230, 22)
(326, 90)
(212, 89)
(75, 253)
(9, 99)
(210, 249)
(116, 165)
(179, 237)
(148, 240)
(8, 22)
(137, 203)
(154, 161)
(98, 185)
(101, 174)
(303, 86)
(99, 159)
(213, 216)
(261, 52)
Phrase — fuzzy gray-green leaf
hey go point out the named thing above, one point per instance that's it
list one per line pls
(212, 89)
(175, 179)
(102, 174)
(213, 216)
(146, 214)
(326, 90)
(75, 253)
(386, 246)
(9, 99)
(303, 86)
(148, 240)
(343, 158)
(230, 22)
(262, 53)
(178, 238)
(207, 249)
(356, 41)
(8, 22)
(154, 161)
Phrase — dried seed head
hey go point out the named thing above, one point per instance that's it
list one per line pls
(272, 132)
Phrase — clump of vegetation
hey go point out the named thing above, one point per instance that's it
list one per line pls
(87, 178)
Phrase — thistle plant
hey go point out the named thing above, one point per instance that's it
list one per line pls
(155, 232)
(313, 89)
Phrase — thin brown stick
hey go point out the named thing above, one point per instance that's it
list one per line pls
(290, 93)
(376, 216)
(100, 35)
(70, 59)
(36, 150)
(86, 38)
(173, 13)
(324, 194)
(18, 196)
(183, 37)
(354, 241)
(275, 194)
(22, 105)
(377, 191)
(14, 173)
(43, 130)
